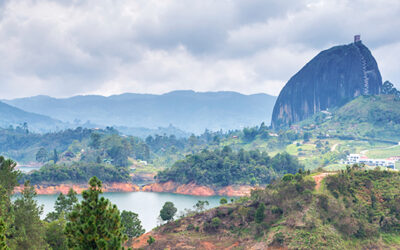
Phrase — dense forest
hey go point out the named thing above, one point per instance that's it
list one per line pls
(225, 167)
(25, 146)
(77, 173)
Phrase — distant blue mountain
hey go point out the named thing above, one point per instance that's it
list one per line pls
(187, 110)
(12, 116)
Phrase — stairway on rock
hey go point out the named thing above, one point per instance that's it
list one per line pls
(364, 69)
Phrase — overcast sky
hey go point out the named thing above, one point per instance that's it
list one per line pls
(63, 48)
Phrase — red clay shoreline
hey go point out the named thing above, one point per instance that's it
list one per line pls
(167, 187)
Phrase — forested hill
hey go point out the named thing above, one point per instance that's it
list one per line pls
(225, 167)
(353, 209)
(187, 110)
(13, 116)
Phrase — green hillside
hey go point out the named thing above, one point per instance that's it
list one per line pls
(366, 117)
(354, 209)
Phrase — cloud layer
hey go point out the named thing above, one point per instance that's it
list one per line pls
(68, 47)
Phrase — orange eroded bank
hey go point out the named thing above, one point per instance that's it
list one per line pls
(64, 188)
(193, 189)
(167, 187)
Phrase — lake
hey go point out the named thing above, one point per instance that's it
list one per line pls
(146, 204)
(27, 169)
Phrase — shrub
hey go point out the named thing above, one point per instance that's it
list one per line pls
(223, 201)
(216, 222)
(287, 177)
(260, 215)
(279, 238)
(151, 240)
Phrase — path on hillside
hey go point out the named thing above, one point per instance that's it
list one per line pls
(334, 147)
(318, 179)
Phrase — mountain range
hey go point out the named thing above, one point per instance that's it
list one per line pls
(186, 110)
(12, 116)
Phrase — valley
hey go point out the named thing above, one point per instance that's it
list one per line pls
(322, 173)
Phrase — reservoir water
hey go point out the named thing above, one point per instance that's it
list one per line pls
(146, 204)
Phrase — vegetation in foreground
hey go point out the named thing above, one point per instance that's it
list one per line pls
(353, 209)
(93, 223)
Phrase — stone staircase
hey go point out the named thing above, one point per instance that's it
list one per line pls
(364, 69)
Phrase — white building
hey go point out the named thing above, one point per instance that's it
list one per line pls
(358, 159)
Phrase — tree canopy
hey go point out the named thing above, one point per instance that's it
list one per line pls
(225, 167)
(95, 223)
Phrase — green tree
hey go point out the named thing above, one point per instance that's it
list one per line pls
(28, 230)
(131, 223)
(3, 229)
(192, 141)
(260, 215)
(200, 206)
(95, 140)
(95, 223)
(55, 236)
(4, 217)
(55, 156)
(223, 201)
(8, 175)
(168, 211)
(63, 205)
(119, 154)
(42, 155)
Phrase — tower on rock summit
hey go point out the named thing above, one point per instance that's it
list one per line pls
(332, 78)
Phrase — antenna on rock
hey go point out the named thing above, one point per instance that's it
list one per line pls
(357, 38)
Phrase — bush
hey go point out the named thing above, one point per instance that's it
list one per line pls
(260, 215)
(223, 201)
(215, 223)
(279, 238)
(151, 240)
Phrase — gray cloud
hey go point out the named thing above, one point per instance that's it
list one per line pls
(63, 48)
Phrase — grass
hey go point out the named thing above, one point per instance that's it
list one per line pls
(391, 239)
(385, 152)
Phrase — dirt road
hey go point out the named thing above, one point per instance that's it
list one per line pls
(318, 179)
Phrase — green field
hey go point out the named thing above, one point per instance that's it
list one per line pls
(384, 152)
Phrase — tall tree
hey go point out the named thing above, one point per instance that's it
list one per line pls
(42, 155)
(3, 229)
(28, 229)
(5, 217)
(95, 223)
(55, 236)
(260, 213)
(55, 156)
(8, 174)
(95, 140)
(63, 205)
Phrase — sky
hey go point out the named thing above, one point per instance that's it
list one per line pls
(63, 48)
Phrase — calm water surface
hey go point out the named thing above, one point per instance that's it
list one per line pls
(27, 169)
(146, 204)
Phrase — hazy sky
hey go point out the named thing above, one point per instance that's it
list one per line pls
(63, 48)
